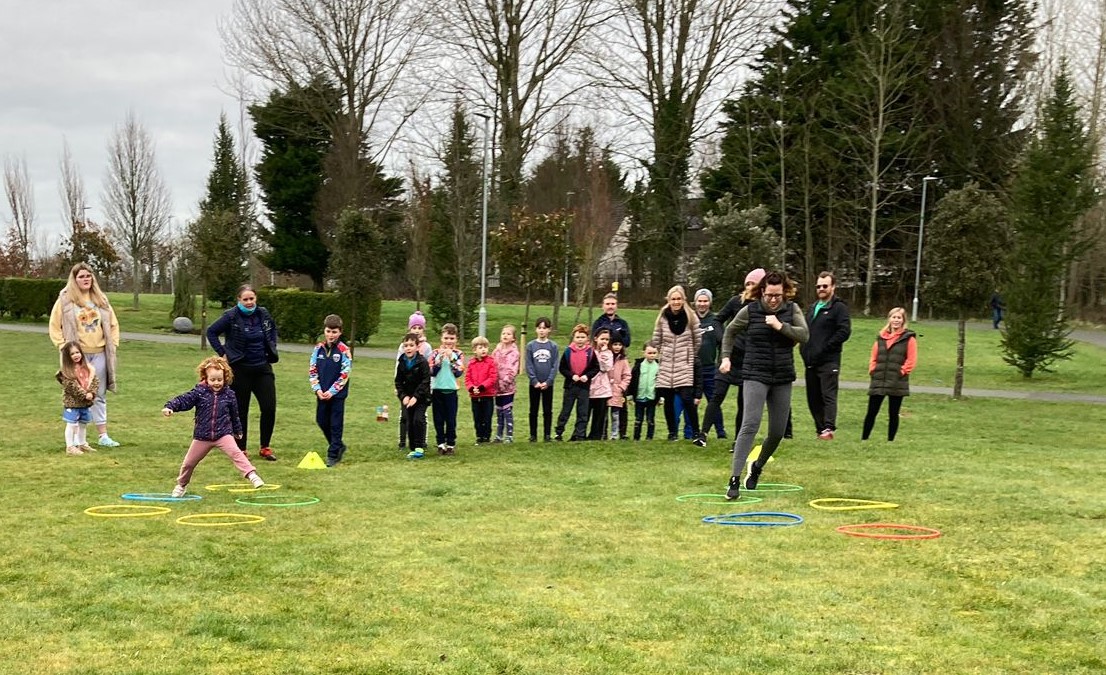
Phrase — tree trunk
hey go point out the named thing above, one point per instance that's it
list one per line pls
(134, 281)
(958, 380)
(203, 319)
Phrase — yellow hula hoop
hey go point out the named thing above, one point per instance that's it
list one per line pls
(850, 504)
(243, 519)
(128, 510)
(240, 487)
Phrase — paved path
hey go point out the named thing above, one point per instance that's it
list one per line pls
(1090, 336)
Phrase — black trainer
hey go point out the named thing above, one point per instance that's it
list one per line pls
(700, 441)
(734, 492)
(752, 476)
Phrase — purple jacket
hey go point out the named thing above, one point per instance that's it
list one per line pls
(216, 412)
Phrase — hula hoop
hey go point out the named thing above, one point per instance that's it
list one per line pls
(264, 488)
(159, 497)
(146, 511)
(240, 487)
(243, 519)
(735, 519)
(850, 504)
(260, 500)
(718, 499)
(926, 532)
(777, 487)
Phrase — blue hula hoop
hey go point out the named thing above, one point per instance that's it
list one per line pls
(734, 519)
(159, 497)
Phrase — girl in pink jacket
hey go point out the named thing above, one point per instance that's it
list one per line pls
(600, 391)
(506, 359)
(620, 379)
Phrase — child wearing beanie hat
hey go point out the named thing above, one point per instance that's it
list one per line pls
(417, 319)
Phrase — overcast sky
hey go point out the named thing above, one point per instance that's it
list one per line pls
(72, 69)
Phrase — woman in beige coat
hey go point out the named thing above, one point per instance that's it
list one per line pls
(676, 334)
(83, 314)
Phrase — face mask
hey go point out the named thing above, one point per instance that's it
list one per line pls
(246, 310)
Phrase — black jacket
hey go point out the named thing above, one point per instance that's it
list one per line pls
(829, 330)
(413, 381)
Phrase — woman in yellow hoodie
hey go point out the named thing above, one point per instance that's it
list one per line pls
(83, 314)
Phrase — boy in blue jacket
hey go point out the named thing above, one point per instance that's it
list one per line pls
(329, 377)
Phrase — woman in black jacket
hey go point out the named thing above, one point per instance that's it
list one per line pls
(251, 348)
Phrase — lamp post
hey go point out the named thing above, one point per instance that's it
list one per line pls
(568, 249)
(921, 235)
(482, 326)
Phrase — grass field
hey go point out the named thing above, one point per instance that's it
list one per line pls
(547, 558)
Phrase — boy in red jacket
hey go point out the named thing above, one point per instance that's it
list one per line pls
(480, 379)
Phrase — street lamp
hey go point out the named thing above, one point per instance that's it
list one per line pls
(568, 203)
(482, 327)
(921, 235)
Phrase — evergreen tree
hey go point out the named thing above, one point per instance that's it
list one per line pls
(739, 240)
(455, 238)
(357, 246)
(227, 198)
(291, 172)
(1053, 189)
(964, 257)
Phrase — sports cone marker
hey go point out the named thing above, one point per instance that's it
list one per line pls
(311, 461)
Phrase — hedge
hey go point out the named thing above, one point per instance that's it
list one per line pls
(299, 314)
(29, 298)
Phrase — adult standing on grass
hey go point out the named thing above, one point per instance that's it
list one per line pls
(82, 314)
(676, 334)
(773, 325)
(894, 355)
(830, 327)
(251, 349)
(610, 320)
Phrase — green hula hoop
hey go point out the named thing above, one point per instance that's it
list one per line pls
(718, 499)
(850, 504)
(243, 519)
(777, 487)
(262, 500)
(127, 511)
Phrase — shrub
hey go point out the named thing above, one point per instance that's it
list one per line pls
(299, 314)
(29, 298)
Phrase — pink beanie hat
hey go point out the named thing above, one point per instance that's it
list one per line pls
(755, 276)
(417, 319)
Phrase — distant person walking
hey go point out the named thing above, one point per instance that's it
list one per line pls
(251, 349)
(83, 314)
(997, 308)
(894, 356)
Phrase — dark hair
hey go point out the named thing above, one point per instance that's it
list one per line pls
(332, 321)
(449, 329)
(824, 273)
(411, 337)
(775, 278)
(543, 320)
(651, 343)
(611, 296)
(243, 288)
(616, 338)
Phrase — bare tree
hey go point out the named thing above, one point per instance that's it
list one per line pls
(674, 62)
(136, 199)
(520, 50)
(21, 202)
(362, 47)
(877, 100)
(71, 188)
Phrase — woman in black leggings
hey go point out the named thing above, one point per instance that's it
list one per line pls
(251, 348)
(893, 357)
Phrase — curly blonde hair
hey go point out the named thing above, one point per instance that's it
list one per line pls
(215, 362)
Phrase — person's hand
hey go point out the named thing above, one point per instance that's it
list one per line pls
(325, 395)
(724, 367)
(575, 378)
(696, 401)
(583, 378)
(167, 412)
(319, 394)
(238, 436)
(89, 396)
(773, 322)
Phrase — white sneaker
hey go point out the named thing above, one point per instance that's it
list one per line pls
(178, 491)
(73, 450)
(255, 480)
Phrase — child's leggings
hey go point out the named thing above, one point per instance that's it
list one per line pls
(645, 411)
(505, 417)
(199, 449)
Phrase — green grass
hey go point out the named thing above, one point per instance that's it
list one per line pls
(984, 367)
(548, 558)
